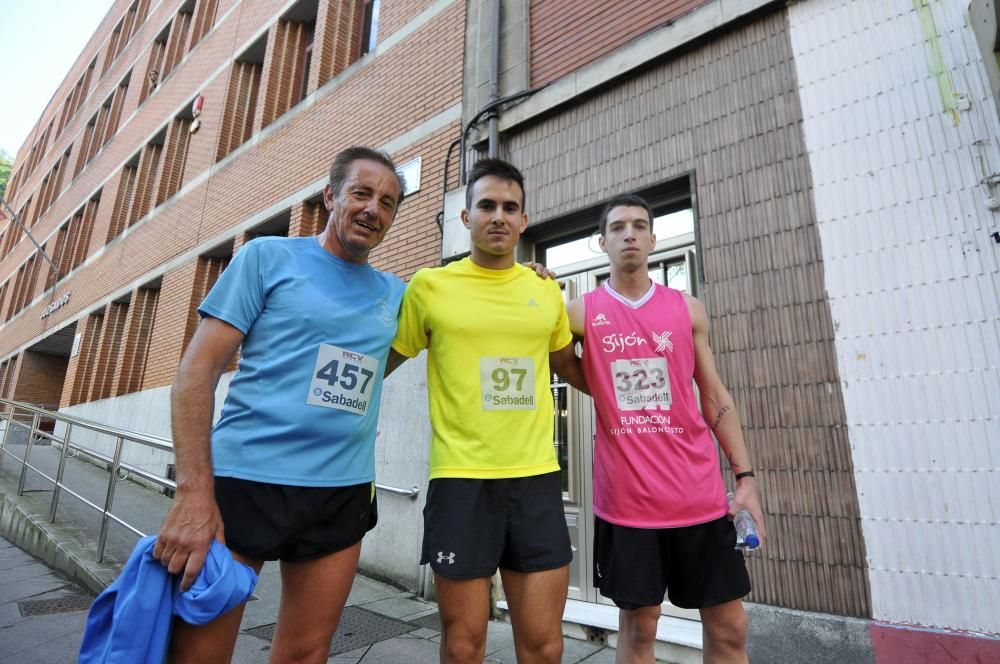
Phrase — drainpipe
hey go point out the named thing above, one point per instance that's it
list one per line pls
(494, 91)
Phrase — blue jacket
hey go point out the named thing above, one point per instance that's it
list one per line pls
(129, 623)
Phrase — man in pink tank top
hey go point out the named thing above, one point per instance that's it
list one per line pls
(662, 522)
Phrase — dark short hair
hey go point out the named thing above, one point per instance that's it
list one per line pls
(622, 200)
(342, 165)
(497, 168)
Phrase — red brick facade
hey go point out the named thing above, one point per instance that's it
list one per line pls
(135, 226)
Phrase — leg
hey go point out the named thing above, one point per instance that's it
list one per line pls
(724, 630)
(636, 635)
(464, 606)
(537, 601)
(211, 642)
(313, 594)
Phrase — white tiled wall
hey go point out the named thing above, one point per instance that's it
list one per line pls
(913, 281)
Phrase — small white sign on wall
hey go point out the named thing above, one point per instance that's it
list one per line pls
(76, 344)
(411, 173)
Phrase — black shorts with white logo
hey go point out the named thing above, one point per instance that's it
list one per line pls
(698, 566)
(473, 526)
(293, 523)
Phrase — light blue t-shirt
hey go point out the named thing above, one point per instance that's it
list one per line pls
(303, 405)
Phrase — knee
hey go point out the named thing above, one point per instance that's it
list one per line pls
(460, 646)
(640, 628)
(550, 651)
(642, 633)
(729, 635)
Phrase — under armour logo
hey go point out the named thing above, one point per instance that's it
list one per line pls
(450, 558)
(663, 341)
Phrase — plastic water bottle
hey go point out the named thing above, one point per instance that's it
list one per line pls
(747, 535)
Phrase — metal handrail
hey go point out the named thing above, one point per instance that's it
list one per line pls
(9, 411)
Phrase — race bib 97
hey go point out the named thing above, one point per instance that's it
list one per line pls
(507, 383)
(642, 383)
(342, 379)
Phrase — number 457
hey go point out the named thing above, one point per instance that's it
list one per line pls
(345, 375)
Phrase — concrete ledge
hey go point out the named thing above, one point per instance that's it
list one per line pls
(779, 636)
(53, 544)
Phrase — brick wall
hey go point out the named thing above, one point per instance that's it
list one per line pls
(131, 173)
(563, 41)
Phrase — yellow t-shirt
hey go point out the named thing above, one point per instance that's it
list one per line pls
(488, 335)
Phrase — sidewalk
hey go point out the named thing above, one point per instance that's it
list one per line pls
(43, 611)
(43, 614)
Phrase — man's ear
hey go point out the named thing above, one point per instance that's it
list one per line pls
(328, 197)
(465, 219)
(600, 243)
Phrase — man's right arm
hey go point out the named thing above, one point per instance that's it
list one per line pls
(575, 311)
(193, 520)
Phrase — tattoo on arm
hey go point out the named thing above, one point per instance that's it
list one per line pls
(718, 418)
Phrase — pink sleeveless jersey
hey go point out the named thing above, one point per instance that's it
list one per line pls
(655, 463)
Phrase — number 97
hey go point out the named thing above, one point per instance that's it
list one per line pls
(501, 379)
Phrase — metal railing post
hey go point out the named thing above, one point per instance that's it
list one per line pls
(6, 431)
(112, 480)
(59, 473)
(27, 454)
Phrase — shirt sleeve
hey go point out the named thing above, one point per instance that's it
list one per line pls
(411, 336)
(561, 335)
(237, 297)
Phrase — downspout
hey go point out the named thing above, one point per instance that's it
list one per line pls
(494, 90)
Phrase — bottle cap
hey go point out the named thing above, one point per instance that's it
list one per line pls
(753, 541)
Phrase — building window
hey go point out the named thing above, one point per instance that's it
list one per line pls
(154, 66)
(307, 53)
(204, 19)
(175, 155)
(131, 365)
(135, 186)
(177, 42)
(368, 26)
(76, 245)
(76, 98)
(24, 285)
(135, 15)
(241, 98)
(288, 78)
(121, 213)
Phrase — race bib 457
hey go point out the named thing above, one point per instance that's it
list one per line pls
(342, 379)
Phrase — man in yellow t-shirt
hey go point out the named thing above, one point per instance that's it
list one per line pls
(491, 328)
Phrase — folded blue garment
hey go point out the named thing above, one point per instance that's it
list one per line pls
(129, 623)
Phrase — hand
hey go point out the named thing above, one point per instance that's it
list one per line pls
(542, 271)
(746, 497)
(186, 534)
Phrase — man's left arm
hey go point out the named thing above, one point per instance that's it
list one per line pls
(719, 409)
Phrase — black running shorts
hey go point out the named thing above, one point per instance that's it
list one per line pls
(698, 566)
(293, 523)
(472, 526)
